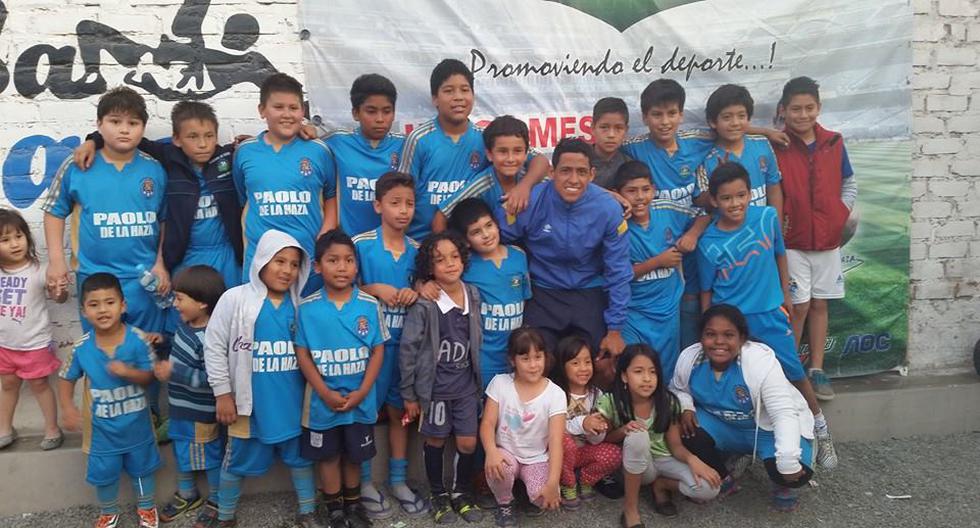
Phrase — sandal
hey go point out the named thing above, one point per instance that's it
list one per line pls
(377, 509)
(622, 522)
(415, 507)
(667, 509)
(47, 444)
(7, 440)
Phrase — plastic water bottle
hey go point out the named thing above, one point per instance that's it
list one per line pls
(150, 282)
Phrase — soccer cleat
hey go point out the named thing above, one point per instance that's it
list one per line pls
(821, 385)
(207, 517)
(826, 452)
(336, 519)
(569, 498)
(442, 509)
(467, 508)
(610, 488)
(179, 506)
(107, 520)
(504, 516)
(148, 518)
(357, 516)
(307, 520)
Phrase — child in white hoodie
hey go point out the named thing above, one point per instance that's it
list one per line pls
(251, 365)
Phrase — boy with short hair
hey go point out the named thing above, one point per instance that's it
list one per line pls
(507, 140)
(117, 208)
(655, 292)
(197, 440)
(500, 273)
(742, 258)
(340, 347)
(386, 262)
(610, 124)
(252, 369)
(729, 113)
(116, 361)
(367, 152)
(820, 193)
(446, 152)
(204, 221)
(285, 182)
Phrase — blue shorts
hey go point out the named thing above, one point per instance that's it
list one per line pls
(739, 441)
(690, 320)
(191, 453)
(386, 385)
(774, 329)
(249, 457)
(141, 308)
(662, 332)
(142, 461)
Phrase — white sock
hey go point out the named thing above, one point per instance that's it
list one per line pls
(820, 427)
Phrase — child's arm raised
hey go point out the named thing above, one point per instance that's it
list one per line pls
(71, 417)
(688, 242)
(332, 398)
(370, 375)
(84, 154)
(537, 169)
(700, 470)
(551, 499)
(387, 293)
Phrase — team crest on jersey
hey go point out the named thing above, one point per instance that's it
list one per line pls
(147, 187)
(515, 281)
(762, 163)
(362, 326)
(685, 171)
(223, 166)
(742, 394)
(475, 160)
(394, 161)
(305, 167)
(668, 236)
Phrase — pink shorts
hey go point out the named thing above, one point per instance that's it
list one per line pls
(28, 364)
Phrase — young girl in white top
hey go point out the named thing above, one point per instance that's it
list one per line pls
(585, 429)
(25, 329)
(522, 428)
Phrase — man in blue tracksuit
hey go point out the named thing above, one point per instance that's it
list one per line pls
(578, 256)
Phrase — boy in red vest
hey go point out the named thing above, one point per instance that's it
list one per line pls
(820, 191)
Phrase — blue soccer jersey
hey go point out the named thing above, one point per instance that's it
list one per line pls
(659, 291)
(359, 165)
(739, 267)
(277, 383)
(115, 415)
(209, 244)
(727, 398)
(758, 159)
(283, 190)
(115, 214)
(440, 167)
(341, 341)
(503, 290)
(485, 186)
(376, 264)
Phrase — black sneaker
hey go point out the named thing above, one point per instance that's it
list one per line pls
(533, 511)
(504, 516)
(357, 516)
(610, 487)
(308, 520)
(442, 509)
(466, 507)
(335, 519)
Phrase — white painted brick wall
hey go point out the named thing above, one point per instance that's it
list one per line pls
(944, 318)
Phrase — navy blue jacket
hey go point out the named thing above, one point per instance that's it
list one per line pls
(183, 192)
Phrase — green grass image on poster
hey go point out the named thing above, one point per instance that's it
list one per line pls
(622, 14)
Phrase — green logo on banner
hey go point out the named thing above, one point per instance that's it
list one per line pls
(622, 14)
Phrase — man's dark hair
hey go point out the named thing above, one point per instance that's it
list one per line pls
(573, 145)
(506, 125)
(799, 86)
(610, 105)
(279, 82)
(389, 181)
(371, 84)
(662, 92)
(446, 69)
(728, 95)
(202, 283)
(122, 99)
(727, 172)
(101, 281)
(629, 171)
(187, 110)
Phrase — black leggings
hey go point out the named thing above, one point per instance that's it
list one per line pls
(704, 447)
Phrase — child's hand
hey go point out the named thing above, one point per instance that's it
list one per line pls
(777, 137)
(56, 275)
(239, 139)
(495, 466)
(517, 199)
(412, 411)
(154, 338)
(407, 297)
(704, 472)
(627, 206)
(594, 424)
(635, 426)
(687, 243)
(429, 290)
(353, 400)
(550, 499)
(84, 155)
(163, 276)
(308, 132)
(117, 368)
(671, 258)
(71, 419)
(225, 410)
(335, 400)
(163, 369)
(58, 290)
(689, 424)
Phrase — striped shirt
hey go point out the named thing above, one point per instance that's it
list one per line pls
(190, 394)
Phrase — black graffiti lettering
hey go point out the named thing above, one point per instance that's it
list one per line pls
(198, 63)
(4, 74)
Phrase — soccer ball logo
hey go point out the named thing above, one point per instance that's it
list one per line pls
(146, 187)
(305, 167)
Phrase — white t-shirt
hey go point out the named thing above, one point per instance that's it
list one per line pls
(24, 322)
(522, 427)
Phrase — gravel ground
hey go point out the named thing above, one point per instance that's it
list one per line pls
(938, 472)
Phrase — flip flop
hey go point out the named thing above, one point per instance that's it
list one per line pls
(377, 509)
(622, 522)
(412, 508)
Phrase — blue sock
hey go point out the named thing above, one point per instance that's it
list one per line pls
(186, 487)
(397, 470)
(144, 488)
(229, 490)
(108, 498)
(214, 482)
(305, 490)
(366, 472)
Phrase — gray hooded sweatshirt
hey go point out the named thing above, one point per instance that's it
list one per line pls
(228, 338)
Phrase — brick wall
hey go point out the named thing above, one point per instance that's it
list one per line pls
(944, 318)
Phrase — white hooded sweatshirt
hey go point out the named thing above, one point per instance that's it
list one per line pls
(228, 338)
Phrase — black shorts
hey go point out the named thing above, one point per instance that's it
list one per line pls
(559, 313)
(458, 417)
(355, 442)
